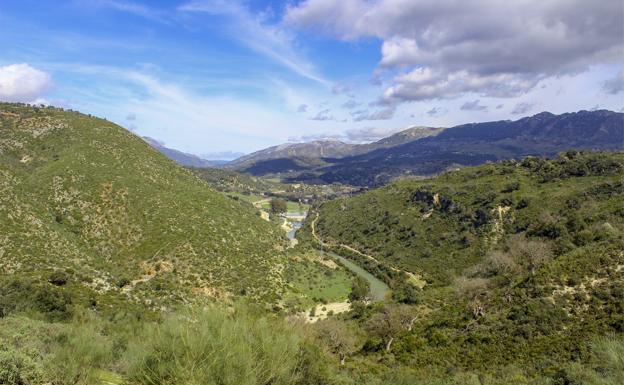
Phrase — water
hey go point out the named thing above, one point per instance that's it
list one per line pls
(378, 288)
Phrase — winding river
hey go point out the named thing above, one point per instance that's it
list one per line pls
(378, 288)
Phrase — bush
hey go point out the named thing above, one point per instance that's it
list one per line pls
(217, 346)
(58, 278)
(278, 206)
(18, 369)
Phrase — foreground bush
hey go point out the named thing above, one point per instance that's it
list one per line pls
(216, 346)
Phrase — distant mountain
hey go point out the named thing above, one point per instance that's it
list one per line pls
(310, 150)
(297, 157)
(409, 135)
(182, 158)
(476, 143)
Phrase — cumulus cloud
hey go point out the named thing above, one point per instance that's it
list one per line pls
(522, 108)
(447, 48)
(323, 115)
(314, 137)
(354, 135)
(615, 85)
(473, 106)
(23, 83)
(383, 114)
(302, 108)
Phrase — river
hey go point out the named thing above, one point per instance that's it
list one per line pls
(378, 288)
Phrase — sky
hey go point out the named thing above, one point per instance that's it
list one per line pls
(219, 78)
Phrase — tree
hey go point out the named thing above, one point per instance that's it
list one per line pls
(406, 293)
(391, 322)
(360, 290)
(530, 253)
(338, 337)
(278, 206)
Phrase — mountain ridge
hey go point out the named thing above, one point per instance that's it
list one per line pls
(476, 143)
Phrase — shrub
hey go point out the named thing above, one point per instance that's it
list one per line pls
(58, 278)
(218, 346)
(18, 369)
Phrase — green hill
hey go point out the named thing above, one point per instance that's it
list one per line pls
(439, 227)
(94, 204)
(524, 263)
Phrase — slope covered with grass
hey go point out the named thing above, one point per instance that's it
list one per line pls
(93, 208)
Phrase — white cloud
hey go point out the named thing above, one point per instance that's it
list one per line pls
(351, 104)
(448, 48)
(133, 8)
(522, 108)
(368, 134)
(252, 30)
(23, 83)
(436, 111)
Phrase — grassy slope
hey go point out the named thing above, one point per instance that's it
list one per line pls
(83, 194)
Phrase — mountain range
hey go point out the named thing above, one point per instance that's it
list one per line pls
(424, 151)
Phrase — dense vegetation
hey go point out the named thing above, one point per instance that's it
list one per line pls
(524, 261)
(439, 227)
(232, 181)
(84, 199)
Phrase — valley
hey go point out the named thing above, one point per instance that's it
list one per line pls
(311, 192)
(503, 273)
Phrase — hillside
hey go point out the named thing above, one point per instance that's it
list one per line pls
(439, 227)
(86, 200)
(523, 263)
(120, 267)
(476, 143)
(232, 181)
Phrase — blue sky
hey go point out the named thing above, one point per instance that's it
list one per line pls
(213, 77)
